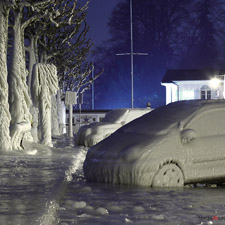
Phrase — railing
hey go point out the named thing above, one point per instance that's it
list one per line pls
(85, 117)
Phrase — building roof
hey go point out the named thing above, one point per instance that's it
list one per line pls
(185, 75)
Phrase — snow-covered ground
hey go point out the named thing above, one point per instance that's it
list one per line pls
(31, 186)
(49, 188)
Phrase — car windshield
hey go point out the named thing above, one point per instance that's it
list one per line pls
(115, 116)
(163, 118)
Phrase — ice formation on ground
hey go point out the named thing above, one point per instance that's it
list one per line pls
(5, 117)
(45, 85)
(38, 189)
(18, 133)
(173, 145)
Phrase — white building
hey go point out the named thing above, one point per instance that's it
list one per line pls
(193, 84)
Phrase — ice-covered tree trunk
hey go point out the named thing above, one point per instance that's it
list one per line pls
(19, 98)
(33, 58)
(61, 113)
(34, 127)
(44, 85)
(5, 117)
(55, 117)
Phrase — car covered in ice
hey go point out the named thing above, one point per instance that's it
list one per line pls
(91, 134)
(177, 144)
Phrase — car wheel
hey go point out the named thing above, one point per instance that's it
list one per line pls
(169, 175)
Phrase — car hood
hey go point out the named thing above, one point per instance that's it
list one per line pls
(129, 147)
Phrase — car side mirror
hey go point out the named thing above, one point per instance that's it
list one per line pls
(187, 135)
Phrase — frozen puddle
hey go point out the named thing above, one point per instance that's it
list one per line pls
(31, 185)
(97, 204)
(49, 189)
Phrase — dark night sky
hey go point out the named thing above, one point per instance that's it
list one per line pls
(99, 12)
(113, 87)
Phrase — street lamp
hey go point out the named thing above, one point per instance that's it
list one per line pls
(216, 81)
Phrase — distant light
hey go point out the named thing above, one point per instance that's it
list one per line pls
(215, 82)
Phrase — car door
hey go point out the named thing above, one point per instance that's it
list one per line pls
(206, 153)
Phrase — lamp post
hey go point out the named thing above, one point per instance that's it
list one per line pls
(131, 53)
(93, 89)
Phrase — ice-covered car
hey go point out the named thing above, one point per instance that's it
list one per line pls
(176, 144)
(90, 135)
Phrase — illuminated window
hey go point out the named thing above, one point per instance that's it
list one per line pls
(205, 92)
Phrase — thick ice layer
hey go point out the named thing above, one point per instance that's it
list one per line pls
(35, 190)
(45, 85)
(5, 117)
(184, 139)
(32, 186)
(116, 205)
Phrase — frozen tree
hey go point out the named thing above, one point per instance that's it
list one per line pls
(62, 41)
(55, 117)
(62, 24)
(45, 85)
(34, 125)
(31, 49)
(65, 44)
(19, 98)
(5, 117)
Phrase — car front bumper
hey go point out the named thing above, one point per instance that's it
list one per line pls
(118, 173)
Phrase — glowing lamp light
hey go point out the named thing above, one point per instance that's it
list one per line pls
(215, 82)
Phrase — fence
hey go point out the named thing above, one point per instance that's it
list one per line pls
(85, 117)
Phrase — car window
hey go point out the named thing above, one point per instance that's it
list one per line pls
(116, 116)
(162, 118)
(209, 123)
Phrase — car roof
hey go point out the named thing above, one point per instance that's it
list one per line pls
(162, 118)
(118, 114)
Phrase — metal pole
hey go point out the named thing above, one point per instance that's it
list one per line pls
(79, 115)
(70, 120)
(224, 86)
(93, 90)
(132, 55)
